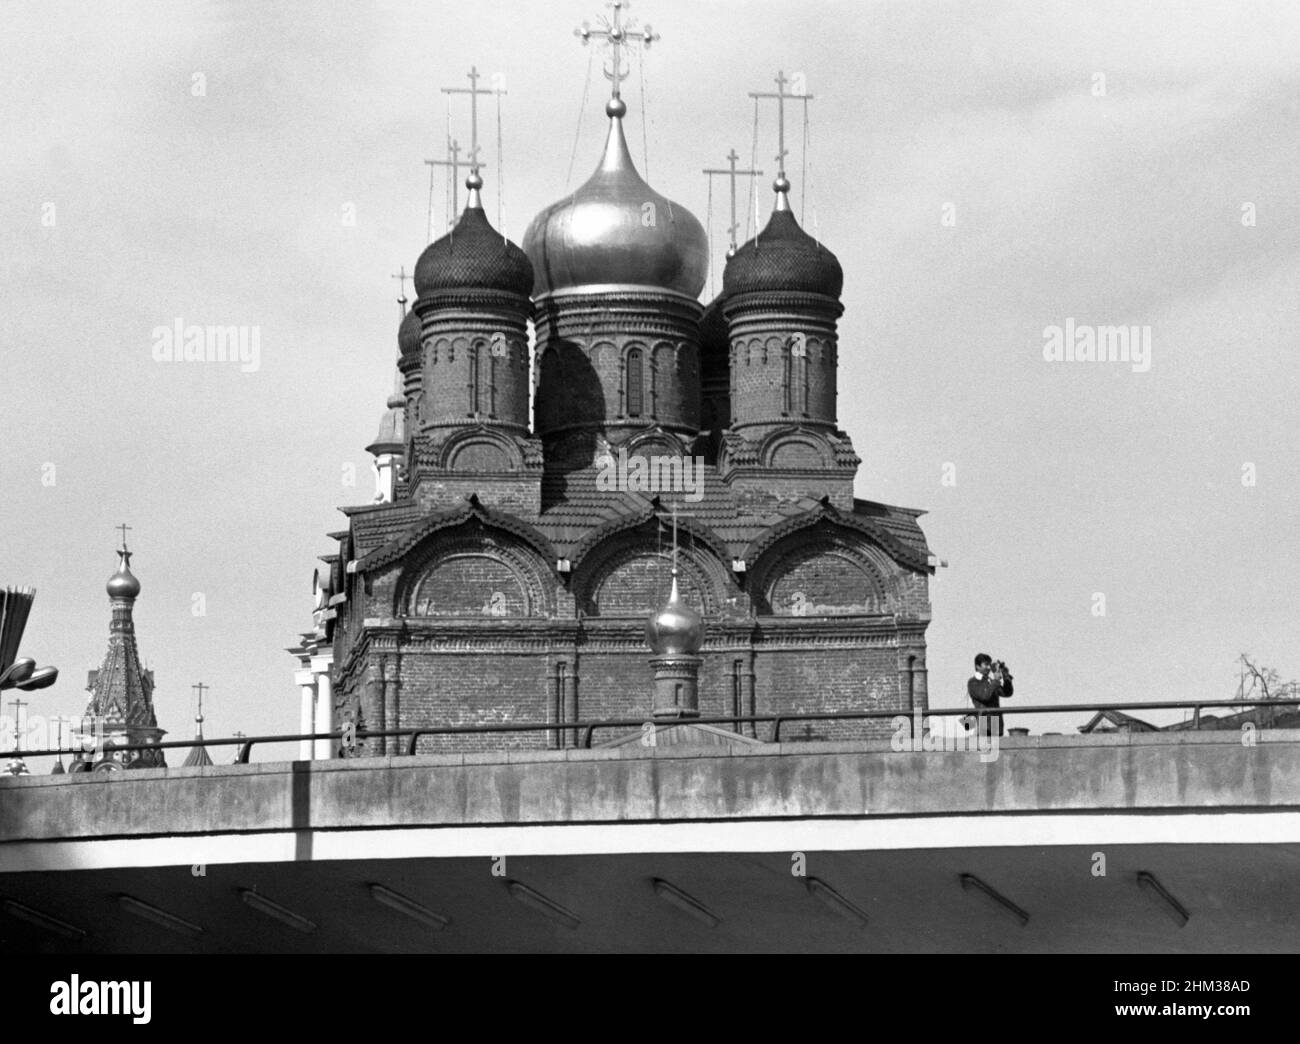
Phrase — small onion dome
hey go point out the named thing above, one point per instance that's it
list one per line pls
(783, 257)
(408, 334)
(392, 428)
(617, 231)
(674, 629)
(198, 756)
(391, 438)
(123, 584)
(473, 256)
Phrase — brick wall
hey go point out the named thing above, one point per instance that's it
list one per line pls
(829, 679)
(469, 688)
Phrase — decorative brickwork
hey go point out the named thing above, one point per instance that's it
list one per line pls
(510, 578)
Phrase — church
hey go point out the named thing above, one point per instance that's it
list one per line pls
(501, 577)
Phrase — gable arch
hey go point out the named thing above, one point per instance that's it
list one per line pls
(825, 570)
(793, 448)
(480, 449)
(630, 575)
(474, 569)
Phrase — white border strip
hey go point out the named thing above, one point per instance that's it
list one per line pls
(820, 835)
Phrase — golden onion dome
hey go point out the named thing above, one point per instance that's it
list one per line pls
(674, 629)
(123, 583)
(616, 231)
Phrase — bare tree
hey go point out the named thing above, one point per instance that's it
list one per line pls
(1264, 683)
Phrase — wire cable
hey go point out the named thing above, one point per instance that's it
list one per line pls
(582, 107)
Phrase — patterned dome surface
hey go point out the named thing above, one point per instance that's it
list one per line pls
(473, 256)
(783, 257)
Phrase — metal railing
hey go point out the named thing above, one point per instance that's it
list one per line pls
(587, 729)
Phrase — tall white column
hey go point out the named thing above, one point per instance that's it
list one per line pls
(324, 705)
(306, 682)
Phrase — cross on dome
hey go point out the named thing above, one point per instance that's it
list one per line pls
(782, 183)
(616, 36)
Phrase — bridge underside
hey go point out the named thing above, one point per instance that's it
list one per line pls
(1240, 897)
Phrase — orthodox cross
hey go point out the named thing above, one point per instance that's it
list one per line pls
(781, 95)
(18, 706)
(473, 90)
(616, 35)
(732, 173)
(455, 163)
(402, 277)
(199, 688)
(123, 527)
(676, 513)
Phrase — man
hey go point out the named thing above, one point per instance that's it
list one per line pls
(987, 688)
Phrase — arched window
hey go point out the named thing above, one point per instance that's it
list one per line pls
(475, 351)
(794, 378)
(635, 383)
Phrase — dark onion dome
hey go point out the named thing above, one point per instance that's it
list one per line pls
(408, 334)
(473, 256)
(123, 583)
(674, 629)
(783, 257)
(617, 231)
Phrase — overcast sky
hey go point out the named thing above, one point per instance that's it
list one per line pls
(1094, 162)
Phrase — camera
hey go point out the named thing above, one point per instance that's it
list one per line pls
(1000, 667)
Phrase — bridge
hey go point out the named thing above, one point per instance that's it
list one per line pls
(1141, 842)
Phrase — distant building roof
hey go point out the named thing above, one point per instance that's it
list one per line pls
(1116, 721)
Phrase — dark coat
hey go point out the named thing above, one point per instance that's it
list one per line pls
(985, 692)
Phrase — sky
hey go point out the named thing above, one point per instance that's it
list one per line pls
(984, 172)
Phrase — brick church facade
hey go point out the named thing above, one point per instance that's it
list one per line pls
(500, 579)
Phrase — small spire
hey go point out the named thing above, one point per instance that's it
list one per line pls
(198, 756)
(123, 584)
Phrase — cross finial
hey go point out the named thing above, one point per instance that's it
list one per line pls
(18, 706)
(616, 35)
(123, 527)
(199, 689)
(453, 161)
(473, 90)
(732, 173)
(402, 277)
(782, 183)
(674, 538)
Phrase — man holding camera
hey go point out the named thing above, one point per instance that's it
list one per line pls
(992, 682)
